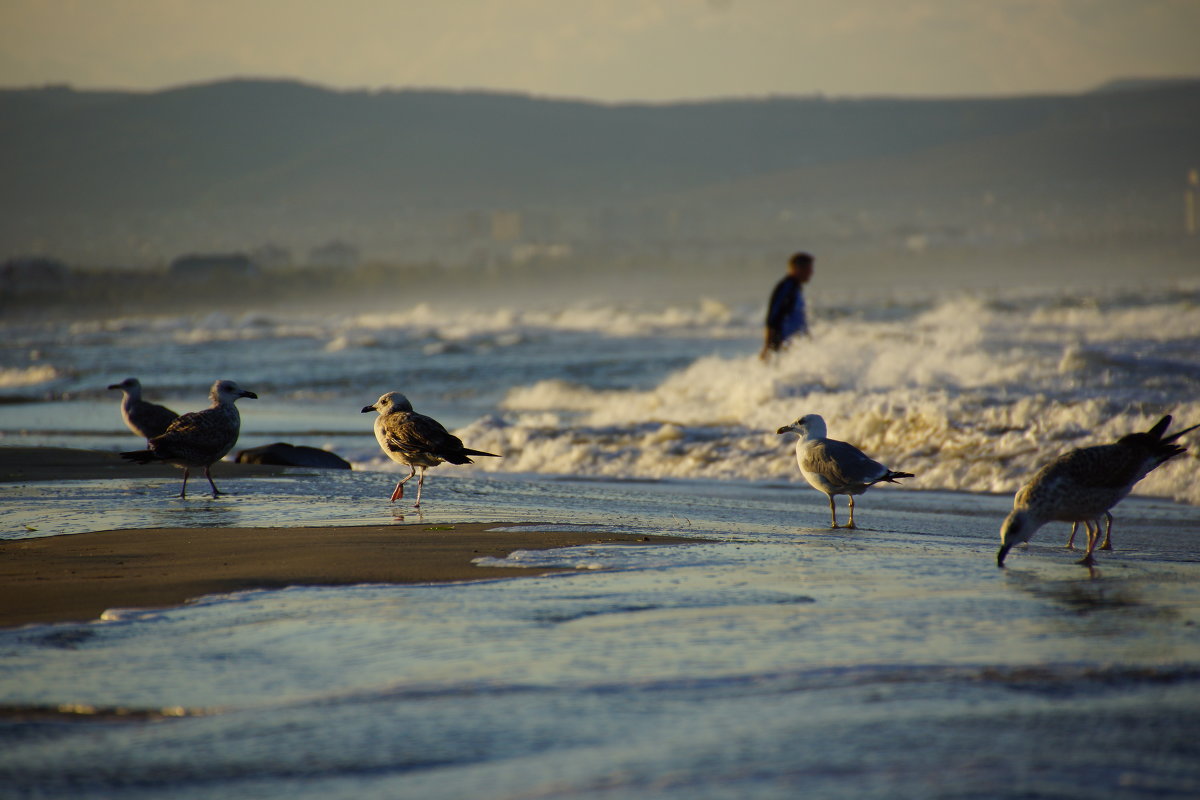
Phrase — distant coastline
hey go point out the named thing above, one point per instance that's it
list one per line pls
(484, 178)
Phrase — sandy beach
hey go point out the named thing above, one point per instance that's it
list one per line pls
(78, 577)
(383, 657)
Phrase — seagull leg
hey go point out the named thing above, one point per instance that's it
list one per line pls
(216, 491)
(851, 524)
(183, 489)
(832, 512)
(1071, 541)
(399, 490)
(1107, 533)
(1093, 532)
(420, 483)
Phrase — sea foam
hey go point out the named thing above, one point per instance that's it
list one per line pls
(968, 394)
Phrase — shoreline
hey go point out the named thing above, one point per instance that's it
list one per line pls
(24, 463)
(77, 577)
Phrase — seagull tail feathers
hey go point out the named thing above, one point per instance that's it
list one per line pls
(1155, 444)
(1174, 436)
(892, 475)
(1165, 448)
(1160, 427)
(140, 456)
(464, 456)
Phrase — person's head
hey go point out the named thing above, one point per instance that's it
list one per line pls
(800, 266)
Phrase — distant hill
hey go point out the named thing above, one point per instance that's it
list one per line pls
(142, 176)
(1138, 84)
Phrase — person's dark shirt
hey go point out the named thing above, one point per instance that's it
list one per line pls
(785, 311)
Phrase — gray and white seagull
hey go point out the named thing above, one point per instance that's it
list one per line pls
(835, 467)
(415, 440)
(1082, 485)
(199, 438)
(145, 419)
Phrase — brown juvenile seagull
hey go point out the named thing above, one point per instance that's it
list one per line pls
(835, 467)
(415, 440)
(1107, 533)
(1082, 485)
(199, 438)
(145, 419)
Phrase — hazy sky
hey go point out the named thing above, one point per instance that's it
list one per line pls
(606, 49)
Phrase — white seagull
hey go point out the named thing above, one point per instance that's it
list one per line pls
(415, 440)
(145, 419)
(835, 467)
(199, 438)
(1082, 485)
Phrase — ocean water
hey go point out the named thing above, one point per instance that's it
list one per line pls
(776, 659)
(971, 390)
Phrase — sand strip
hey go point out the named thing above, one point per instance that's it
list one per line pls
(64, 463)
(79, 576)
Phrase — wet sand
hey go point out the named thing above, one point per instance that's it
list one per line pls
(63, 463)
(77, 577)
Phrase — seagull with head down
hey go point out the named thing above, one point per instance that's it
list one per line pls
(415, 440)
(1082, 485)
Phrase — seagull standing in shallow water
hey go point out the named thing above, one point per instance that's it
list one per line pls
(415, 440)
(1070, 545)
(1082, 485)
(199, 438)
(835, 467)
(145, 419)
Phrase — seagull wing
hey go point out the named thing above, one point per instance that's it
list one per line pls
(197, 435)
(842, 464)
(152, 419)
(1106, 466)
(186, 426)
(414, 434)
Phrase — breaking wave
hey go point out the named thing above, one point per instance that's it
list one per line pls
(968, 394)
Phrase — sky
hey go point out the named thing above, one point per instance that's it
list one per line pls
(606, 50)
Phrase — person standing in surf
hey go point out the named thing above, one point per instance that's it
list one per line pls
(786, 314)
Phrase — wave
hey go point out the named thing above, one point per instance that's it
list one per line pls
(969, 395)
(970, 391)
(21, 377)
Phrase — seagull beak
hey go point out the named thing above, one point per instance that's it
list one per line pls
(368, 408)
(1000, 555)
(251, 395)
(114, 386)
(785, 429)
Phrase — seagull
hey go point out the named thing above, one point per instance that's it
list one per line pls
(415, 440)
(199, 438)
(835, 467)
(145, 419)
(1082, 485)
(1107, 533)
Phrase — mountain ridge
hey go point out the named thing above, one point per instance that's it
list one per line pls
(215, 165)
